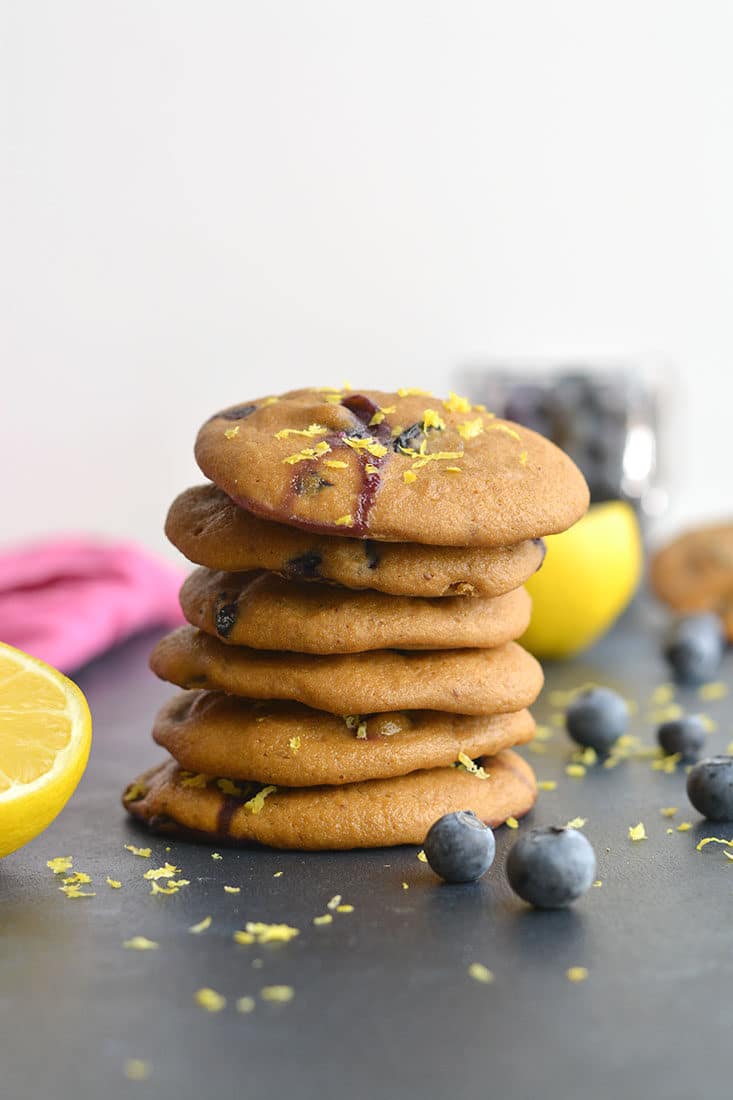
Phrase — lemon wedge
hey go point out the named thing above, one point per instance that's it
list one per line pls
(45, 737)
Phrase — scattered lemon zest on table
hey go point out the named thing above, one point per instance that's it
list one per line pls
(280, 993)
(277, 874)
(666, 764)
(575, 771)
(587, 756)
(684, 826)
(663, 694)
(576, 974)
(547, 784)
(209, 1000)
(713, 840)
(480, 973)
(405, 886)
(232, 889)
(512, 823)
(166, 871)
(577, 823)
(114, 883)
(60, 864)
(271, 933)
(728, 855)
(136, 1069)
(421, 856)
(326, 918)
(144, 853)
(216, 855)
(668, 811)
(334, 902)
(637, 832)
(243, 937)
(140, 943)
(542, 733)
(201, 926)
(75, 892)
(172, 886)
(245, 1004)
(716, 689)
(598, 882)
(708, 724)
(344, 908)
(79, 878)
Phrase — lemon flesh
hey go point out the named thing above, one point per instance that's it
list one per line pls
(45, 737)
(588, 578)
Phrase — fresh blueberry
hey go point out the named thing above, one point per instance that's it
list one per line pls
(550, 867)
(694, 648)
(459, 847)
(685, 736)
(597, 717)
(710, 788)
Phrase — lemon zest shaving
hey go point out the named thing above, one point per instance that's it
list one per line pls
(201, 926)
(136, 1069)
(575, 771)
(335, 464)
(637, 832)
(232, 889)
(436, 456)
(322, 448)
(505, 429)
(79, 878)
(281, 993)
(577, 823)
(512, 823)
(668, 811)
(469, 765)
(334, 902)
(405, 886)
(209, 1000)
(144, 853)
(421, 856)
(255, 804)
(547, 784)
(193, 779)
(166, 871)
(684, 826)
(245, 1004)
(431, 419)
(271, 933)
(453, 469)
(344, 908)
(294, 745)
(345, 521)
(576, 974)
(470, 429)
(310, 432)
(408, 477)
(60, 864)
(114, 883)
(140, 943)
(457, 404)
(232, 433)
(226, 786)
(413, 392)
(480, 973)
(716, 689)
(326, 918)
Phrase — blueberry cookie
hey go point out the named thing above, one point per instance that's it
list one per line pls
(403, 467)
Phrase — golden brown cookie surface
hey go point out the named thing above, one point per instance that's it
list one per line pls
(463, 681)
(376, 813)
(405, 467)
(293, 746)
(694, 572)
(209, 529)
(264, 611)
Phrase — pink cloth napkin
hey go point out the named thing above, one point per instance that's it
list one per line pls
(69, 599)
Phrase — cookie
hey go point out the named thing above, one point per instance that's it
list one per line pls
(264, 611)
(209, 529)
(404, 467)
(694, 572)
(373, 814)
(293, 746)
(462, 681)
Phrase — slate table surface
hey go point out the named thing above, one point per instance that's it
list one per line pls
(383, 1004)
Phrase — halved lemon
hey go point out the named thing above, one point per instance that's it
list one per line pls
(45, 737)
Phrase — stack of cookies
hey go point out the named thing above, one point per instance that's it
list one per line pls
(350, 669)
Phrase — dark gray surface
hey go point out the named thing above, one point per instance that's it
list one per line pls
(383, 1005)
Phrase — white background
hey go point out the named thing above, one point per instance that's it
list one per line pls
(204, 202)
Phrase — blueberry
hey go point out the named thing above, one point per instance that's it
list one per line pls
(694, 648)
(710, 788)
(459, 847)
(685, 736)
(550, 867)
(597, 717)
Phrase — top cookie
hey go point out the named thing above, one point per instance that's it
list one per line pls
(394, 467)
